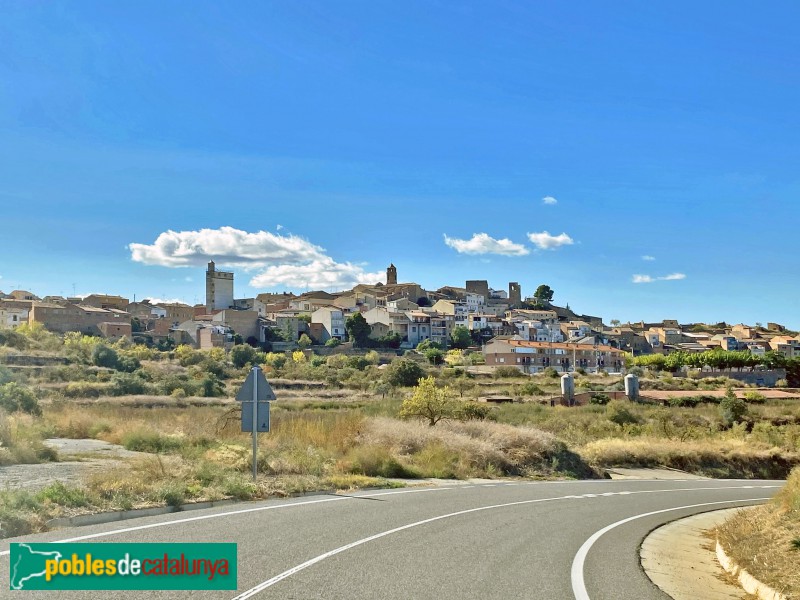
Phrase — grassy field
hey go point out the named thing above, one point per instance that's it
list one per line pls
(766, 540)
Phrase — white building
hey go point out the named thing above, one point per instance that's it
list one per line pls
(11, 317)
(219, 288)
(332, 320)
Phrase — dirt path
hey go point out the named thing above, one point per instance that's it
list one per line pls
(79, 458)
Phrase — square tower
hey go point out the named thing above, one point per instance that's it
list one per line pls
(219, 288)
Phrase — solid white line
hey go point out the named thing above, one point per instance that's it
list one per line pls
(578, 583)
(296, 569)
(92, 536)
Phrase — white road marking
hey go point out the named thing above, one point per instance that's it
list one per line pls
(296, 569)
(92, 536)
(578, 583)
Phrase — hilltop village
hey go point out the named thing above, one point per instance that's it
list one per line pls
(529, 333)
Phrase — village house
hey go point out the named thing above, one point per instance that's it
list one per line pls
(332, 320)
(71, 317)
(13, 314)
(105, 301)
(535, 357)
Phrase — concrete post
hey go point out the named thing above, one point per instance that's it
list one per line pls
(568, 388)
(632, 387)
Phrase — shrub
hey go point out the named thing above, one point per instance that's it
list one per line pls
(530, 389)
(357, 362)
(243, 355)
(275, 359)
(332, 343)
(19, 398)
(434, 356)
(754, 397)
(151, 441)
(472, 411)
(5, 375)
(601, 399)
(127, 384)
(732, 409)
(684, 401)
(104, 356)
(85, 389)
(404, 372)
(212, 387)
(617, 412)
(550, 372)
(128, 364)
(501, 372)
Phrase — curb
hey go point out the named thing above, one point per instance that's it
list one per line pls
(750, 584)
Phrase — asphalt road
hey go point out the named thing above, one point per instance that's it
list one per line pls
(548, 540)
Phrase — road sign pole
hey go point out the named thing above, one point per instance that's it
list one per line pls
(255, 424)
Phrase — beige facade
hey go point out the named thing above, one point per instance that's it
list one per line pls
(534, 357)
(12, 315)
(115, 330)
(242, 322)
(84, 319)
(105, 301)
(177, 313)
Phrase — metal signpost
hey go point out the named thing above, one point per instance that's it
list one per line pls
(255, 396)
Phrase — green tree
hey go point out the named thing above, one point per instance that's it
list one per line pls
(304, 342)
(404, 372)
(434, 356)
(543, 293)
(732, 409)
(104, 356)
(460, 337)
(358, 329)
(242, 355)
(427, 345)
(430, 403)
(127, 384)
(16, 397)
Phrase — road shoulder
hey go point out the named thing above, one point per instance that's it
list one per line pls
(680, 559)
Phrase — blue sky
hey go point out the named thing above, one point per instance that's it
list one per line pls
(312, 143)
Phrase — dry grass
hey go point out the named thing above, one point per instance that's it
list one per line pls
(472, 449)
(765, 540)
(715, 458)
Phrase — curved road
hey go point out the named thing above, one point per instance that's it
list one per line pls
(548, 540)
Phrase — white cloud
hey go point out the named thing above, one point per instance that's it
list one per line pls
(278, 227)
(483, 243)
(649, 279)
(648, 257)
(226, 246)
(549, 200)
(283, 260)
(545, 241)
(324, 273)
